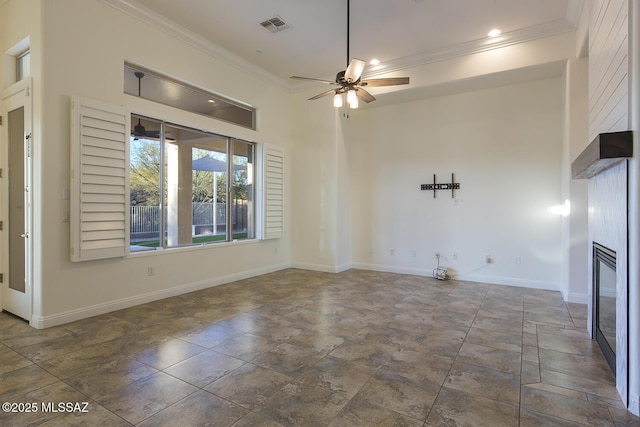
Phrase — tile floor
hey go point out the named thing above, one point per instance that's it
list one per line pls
(304, 348)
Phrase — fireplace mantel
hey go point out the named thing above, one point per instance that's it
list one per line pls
(604, 151)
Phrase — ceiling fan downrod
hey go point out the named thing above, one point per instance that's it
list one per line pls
(139, 75)
(348, 29)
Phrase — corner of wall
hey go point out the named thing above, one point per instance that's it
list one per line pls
(582, 32)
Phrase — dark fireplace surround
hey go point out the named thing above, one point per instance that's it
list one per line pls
(604, 302)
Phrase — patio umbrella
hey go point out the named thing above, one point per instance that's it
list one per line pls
(210, 164)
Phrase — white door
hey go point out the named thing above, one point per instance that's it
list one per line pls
(15, 199)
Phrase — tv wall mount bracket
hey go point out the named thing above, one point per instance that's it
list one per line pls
(453, 186)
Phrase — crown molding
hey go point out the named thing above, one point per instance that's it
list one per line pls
(159, 22)
(472, 47)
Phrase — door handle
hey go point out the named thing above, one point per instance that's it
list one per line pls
(25, 235)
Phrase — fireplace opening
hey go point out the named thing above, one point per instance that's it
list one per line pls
(604, 302)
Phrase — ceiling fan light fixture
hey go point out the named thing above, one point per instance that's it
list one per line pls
(337, 100)
(352, 99)
(351, 96)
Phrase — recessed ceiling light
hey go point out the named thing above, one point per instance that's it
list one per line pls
(374, 61)
(495, 32)
(211, 101)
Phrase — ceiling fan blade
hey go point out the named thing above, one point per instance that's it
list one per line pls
(392, 81)
(329, 92)
(354, 70)
(314, 80)
(364, 95)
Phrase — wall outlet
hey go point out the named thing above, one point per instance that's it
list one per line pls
(392, 252)
(487, 259)
(455, 255)
(518, 260)
(414, 253)
(151, 270)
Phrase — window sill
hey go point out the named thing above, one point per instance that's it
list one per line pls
(201, 247)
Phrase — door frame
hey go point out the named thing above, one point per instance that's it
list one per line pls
(21, 89)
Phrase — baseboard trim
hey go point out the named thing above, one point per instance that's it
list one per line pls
(393, 269)
(41, 322)
(494, 280)
(577, 298)
(321, 267)
(511, 281)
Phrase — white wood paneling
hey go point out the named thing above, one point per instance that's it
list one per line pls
(608, 67)
(100, 184)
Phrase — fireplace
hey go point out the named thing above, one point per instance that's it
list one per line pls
(604, 302)
(605, 163)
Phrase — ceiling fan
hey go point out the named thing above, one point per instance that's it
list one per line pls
(139, 130)
(349, 81)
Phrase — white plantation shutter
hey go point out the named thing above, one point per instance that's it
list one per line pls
(100, 180)
(273, 197)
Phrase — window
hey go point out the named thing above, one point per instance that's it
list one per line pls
(16, 62)
(162, 89)
(188, 187)
(23, 65)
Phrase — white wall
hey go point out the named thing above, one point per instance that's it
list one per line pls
(576, 249)
(504, 146)
(321, 236)
(85, 46)
(315, 138)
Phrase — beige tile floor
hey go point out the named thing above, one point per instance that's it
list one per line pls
(305, 348)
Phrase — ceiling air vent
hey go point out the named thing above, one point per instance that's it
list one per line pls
(275, 24)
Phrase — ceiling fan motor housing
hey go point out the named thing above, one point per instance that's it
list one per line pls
(342, 81)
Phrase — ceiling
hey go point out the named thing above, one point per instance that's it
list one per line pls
(399, 33)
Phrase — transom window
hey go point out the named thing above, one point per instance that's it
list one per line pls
(188, 187)
(162, 89)
(23, 65)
